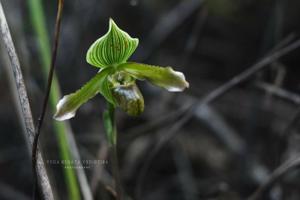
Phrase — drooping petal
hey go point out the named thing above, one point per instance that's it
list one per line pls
(67, 106)
(115, 47)
(164, 77)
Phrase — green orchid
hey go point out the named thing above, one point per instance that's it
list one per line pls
(116, 79)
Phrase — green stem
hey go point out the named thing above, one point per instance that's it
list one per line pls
(38, 22)
(111, 133)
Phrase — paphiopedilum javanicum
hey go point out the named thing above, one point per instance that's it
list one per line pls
(116, 82)
(116, 77)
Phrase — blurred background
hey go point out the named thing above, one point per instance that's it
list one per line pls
(225, 150)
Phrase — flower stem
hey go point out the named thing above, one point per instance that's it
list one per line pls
(111, 133)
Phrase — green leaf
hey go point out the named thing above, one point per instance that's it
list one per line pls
(164, 77)
(115, 47)
(67, 106)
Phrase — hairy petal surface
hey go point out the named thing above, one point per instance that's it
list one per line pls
(67, 106)
(164, 77)
(115, 47)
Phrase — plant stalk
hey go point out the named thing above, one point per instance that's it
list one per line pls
(38, 21)
(111, 132)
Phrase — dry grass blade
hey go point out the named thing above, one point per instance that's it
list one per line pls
(43, 180)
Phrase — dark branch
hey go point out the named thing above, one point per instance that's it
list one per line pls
(48, 88)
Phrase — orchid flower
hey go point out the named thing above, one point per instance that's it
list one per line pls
(116, 79)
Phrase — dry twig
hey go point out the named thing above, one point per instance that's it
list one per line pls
(279, 92)
(46, 98)
(275, 176)
(26, 110)
(275, 54)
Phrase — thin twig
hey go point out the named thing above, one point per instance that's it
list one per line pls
(67, 146)
(212, 96)
(139, 130)
(248, 73)
(279, 92)
(41, 173)
(283, 168)
(274, 55)
(48, 89)
(288, 165)
(167, 24)
(275, 176)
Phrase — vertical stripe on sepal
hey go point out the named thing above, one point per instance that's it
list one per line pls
(115, 47)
